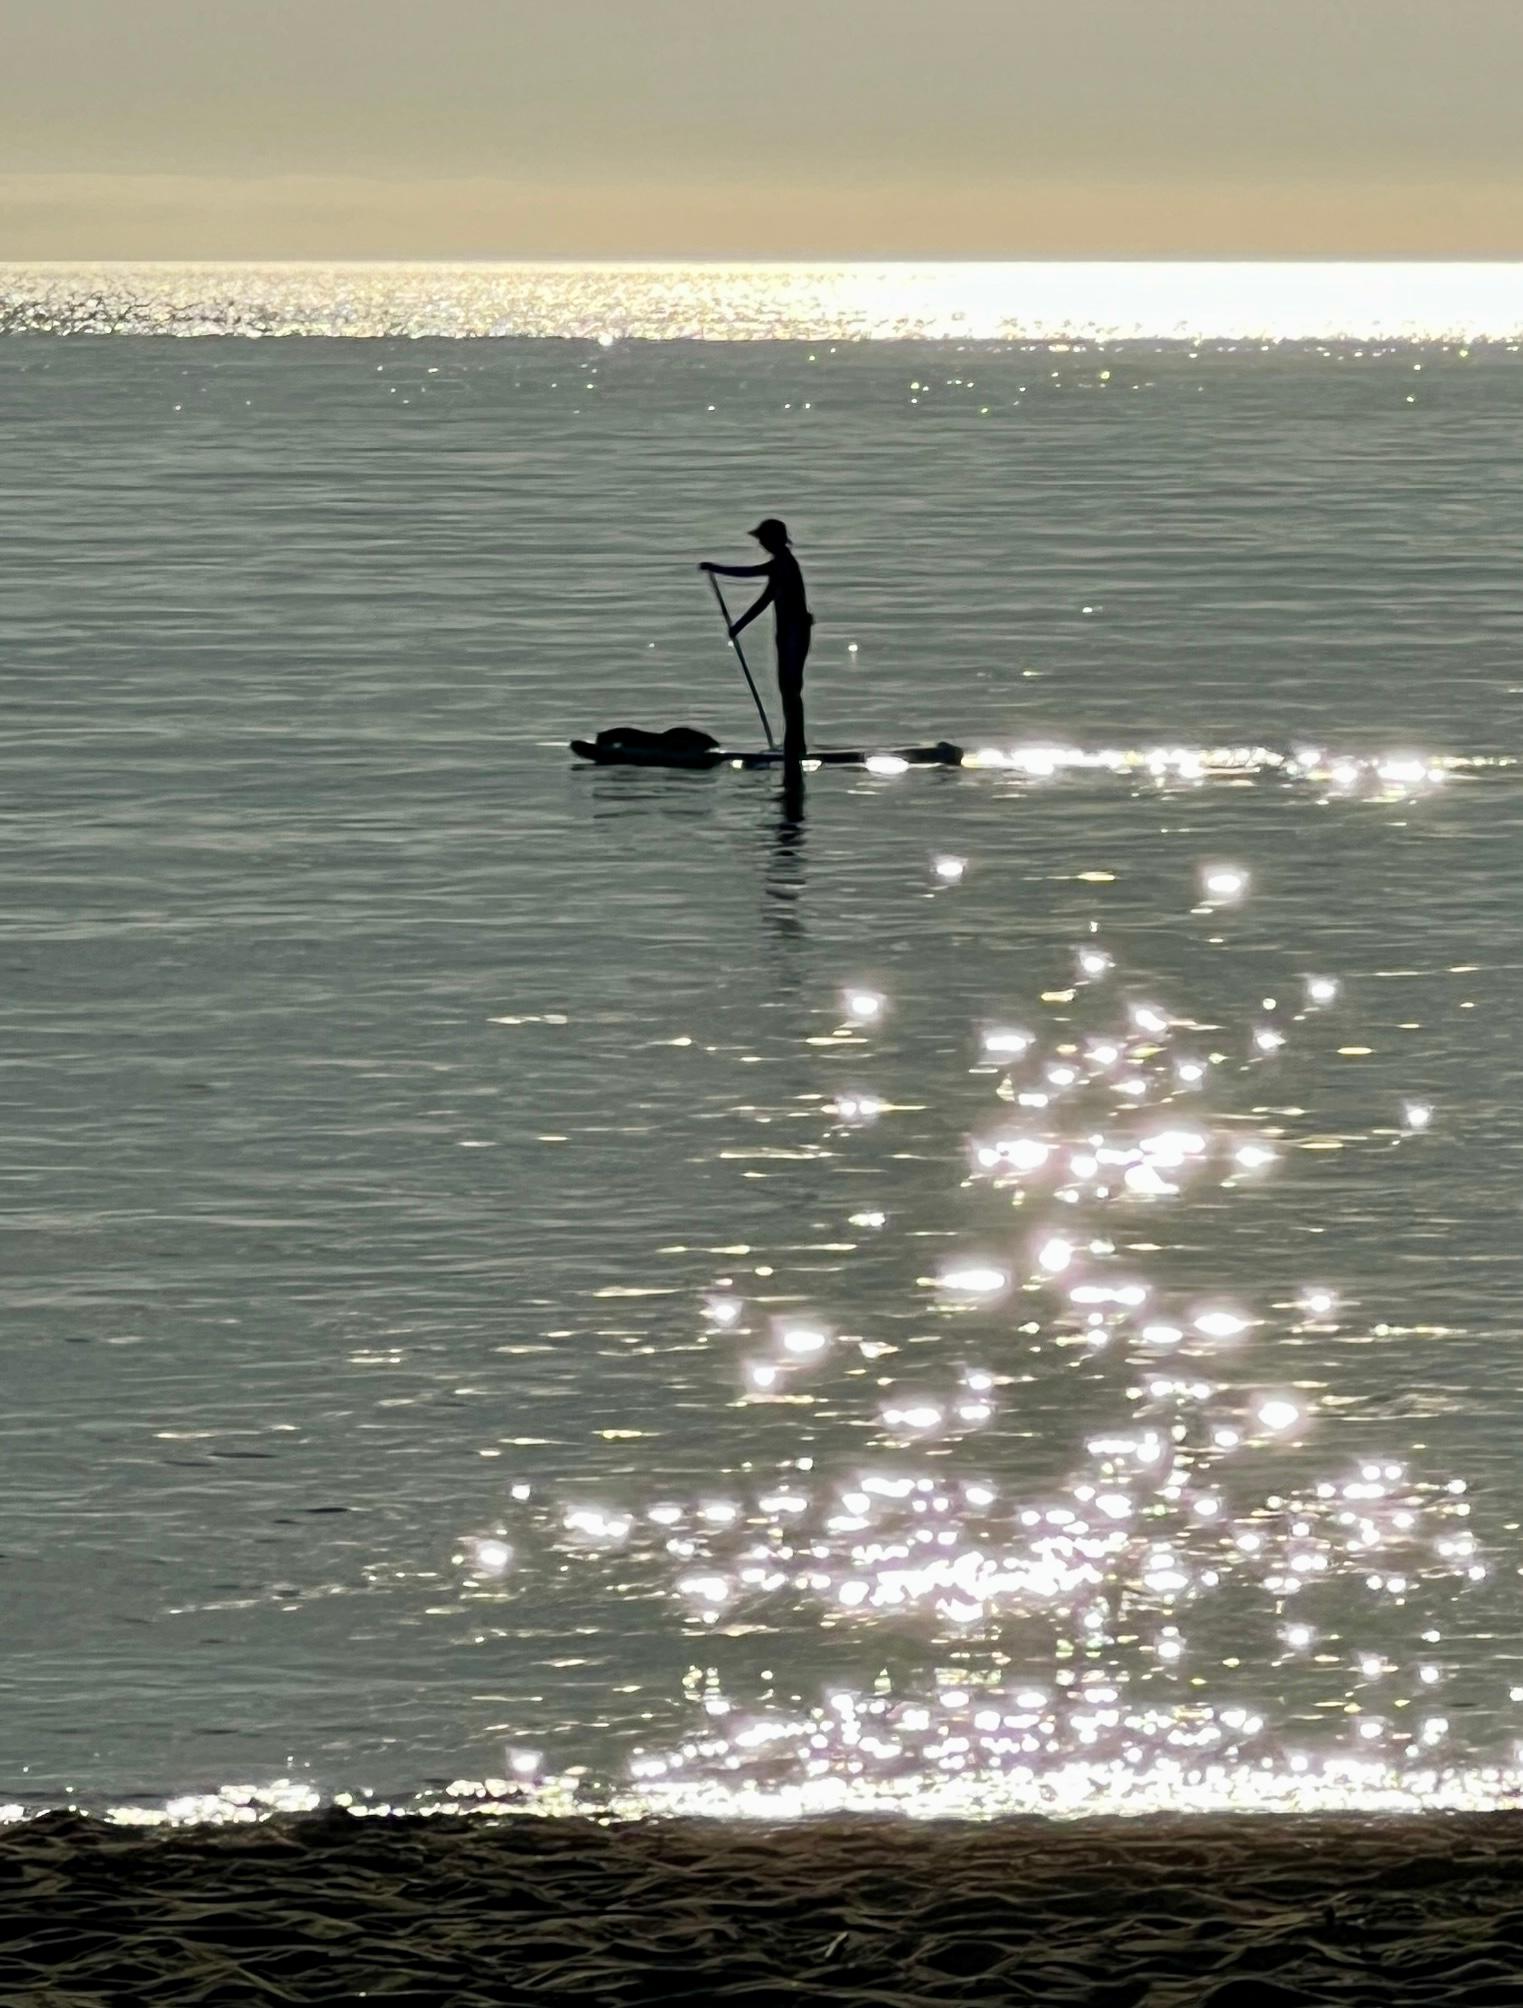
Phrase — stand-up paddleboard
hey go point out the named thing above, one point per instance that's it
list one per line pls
(629, 746)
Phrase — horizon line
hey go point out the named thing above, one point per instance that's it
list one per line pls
(658, 260)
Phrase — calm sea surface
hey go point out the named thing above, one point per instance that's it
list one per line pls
(995, 1287)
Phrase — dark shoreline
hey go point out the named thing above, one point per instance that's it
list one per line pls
(1228, 1911)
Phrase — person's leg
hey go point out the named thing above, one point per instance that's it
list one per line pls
(792, 690)
(790, 686)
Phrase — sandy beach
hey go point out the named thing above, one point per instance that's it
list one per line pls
(470, 1910)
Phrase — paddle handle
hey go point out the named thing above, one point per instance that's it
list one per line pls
(741, 658)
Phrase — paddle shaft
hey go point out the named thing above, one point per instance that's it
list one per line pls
(741, 657)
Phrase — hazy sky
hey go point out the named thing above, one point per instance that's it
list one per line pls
(829, 128)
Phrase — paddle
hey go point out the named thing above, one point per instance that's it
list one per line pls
(740, 653)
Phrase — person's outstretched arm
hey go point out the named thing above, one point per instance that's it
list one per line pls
(736, 571)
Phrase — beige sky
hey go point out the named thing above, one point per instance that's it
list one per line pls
(824, 128)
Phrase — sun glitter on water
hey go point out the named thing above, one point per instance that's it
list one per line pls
(607, 303)
(1070, 1678)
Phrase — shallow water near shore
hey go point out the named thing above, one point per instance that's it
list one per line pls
(997, 1284)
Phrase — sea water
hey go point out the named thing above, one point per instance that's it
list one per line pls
(994, 1287)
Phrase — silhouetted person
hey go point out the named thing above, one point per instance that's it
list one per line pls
(792, 620)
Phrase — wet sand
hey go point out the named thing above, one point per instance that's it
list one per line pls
(329, 1907)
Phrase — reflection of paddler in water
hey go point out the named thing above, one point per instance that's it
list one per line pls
(793, 621)
(783, 888)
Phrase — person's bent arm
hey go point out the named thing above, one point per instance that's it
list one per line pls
(751, 612)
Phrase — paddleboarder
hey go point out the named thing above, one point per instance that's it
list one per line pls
(792, 622)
